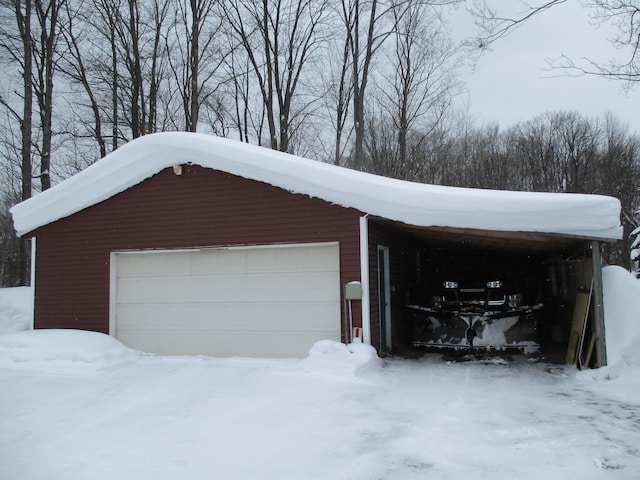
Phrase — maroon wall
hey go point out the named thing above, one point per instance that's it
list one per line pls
(202, 207)
(400, 258)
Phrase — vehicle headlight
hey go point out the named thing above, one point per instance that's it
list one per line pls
(514, 301)
(450, 285)
(494, 284)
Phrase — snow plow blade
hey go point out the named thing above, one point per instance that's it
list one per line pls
(513, 330)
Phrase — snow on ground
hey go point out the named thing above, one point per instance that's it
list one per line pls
(78, 405)
(61, 350)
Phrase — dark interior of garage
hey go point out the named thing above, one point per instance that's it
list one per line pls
(542, 277)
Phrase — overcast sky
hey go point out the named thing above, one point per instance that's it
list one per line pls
(513, 82)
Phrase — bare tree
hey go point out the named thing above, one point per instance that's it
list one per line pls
(73, 65)
(195, 56)
(368, 24)
(106, 22)
(116, 55)
(624, 15)
(560, 151)
(365, 32)
(279, 37)
(13, 250)
(245, 119)
(419, 90)
(15, 41)
(577, 151)
(618, 174)
(9, 246)
(141, 34)
(337, 96)
(494, 24)
(93, 64)
(45, 53)
(16, 44)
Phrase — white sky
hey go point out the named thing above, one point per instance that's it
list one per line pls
(512, 82)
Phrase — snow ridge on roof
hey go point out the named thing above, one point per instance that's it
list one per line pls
(591, 216)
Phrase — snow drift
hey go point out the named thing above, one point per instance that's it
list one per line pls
(335, 358)
(61, 348)
(622, 315)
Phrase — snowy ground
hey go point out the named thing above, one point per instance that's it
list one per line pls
(79, 405)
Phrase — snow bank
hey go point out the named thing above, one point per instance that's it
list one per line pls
(61, 348)
(334, 358)
(621, 377)
(591, 216)
(622, 313)
(16, 309)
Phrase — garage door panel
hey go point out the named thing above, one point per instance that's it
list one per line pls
(193, 299)
(224, 344)
(292, 259)
(259, 260)
(283, 287)
(290, 286)
(235, 287)
(227, 316)
(169, 288)
(223, 261)
(154, 264)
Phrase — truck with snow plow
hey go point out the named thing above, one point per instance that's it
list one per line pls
(485, 316)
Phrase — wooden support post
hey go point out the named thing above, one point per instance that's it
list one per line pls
(598, 305)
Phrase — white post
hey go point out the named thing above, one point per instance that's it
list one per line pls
(33, 283)
(364, 279)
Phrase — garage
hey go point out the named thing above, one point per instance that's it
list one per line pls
(119, 249)
(261, 301)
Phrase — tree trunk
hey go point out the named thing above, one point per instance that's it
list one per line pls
(137, 119)
(48, 15)
(194, 63)
(361, 77)
(114, 88)
(24, 25)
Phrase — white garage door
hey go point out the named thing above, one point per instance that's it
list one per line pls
(243, 301)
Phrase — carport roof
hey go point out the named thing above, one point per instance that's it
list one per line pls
(578, 215)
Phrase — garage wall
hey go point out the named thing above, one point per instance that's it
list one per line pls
(201, 208)
(400, 258)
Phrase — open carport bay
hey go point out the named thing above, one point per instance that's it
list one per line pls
(545, 277)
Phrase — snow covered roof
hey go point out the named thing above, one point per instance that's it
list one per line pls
(590, 216)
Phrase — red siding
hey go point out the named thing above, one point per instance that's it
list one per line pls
(203, 207)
